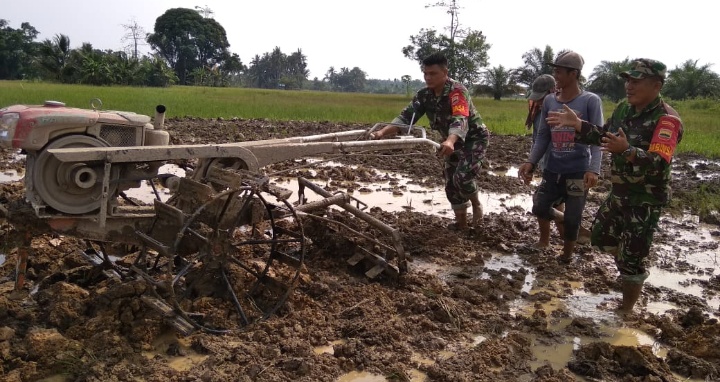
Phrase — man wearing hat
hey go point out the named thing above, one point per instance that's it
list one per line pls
(572, 167)
(641, 135)
(543, 85)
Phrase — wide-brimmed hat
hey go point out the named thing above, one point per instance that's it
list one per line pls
(568, 59)
(542, 86)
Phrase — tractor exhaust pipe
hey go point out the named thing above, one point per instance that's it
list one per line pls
(159, 122)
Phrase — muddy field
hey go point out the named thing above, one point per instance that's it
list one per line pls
(476, 306)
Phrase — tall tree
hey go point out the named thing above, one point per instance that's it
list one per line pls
(188, 41)
(535, 65)
(692, 81)
(17, 50)
(406, 80)
(465, 48)
(470, 53)
(134, 37)
(605, 79)
(278, 70)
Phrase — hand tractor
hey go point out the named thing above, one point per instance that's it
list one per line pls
(227, 240)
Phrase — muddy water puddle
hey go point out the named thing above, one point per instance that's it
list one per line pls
(7, 176)
(401, 193)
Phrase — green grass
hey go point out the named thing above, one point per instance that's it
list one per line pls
(504, 117)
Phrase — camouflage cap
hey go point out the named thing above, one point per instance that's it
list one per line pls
(569, 59)
(644, 68)
(542, 86)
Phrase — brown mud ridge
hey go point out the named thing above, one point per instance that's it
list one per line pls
(84, 327)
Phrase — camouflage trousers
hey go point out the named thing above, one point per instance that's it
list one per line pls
(627, 233)
(461, 169)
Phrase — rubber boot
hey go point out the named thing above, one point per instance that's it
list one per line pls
(477, 210)
(631, 293)
(461, 223)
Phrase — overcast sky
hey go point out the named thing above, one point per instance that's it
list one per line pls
(370, 34)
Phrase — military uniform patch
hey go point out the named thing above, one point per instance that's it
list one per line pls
(664, 138)
(459, 104)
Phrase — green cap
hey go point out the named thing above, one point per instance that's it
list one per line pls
(644, 68)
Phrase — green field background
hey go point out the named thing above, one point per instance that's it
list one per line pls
(504, 117)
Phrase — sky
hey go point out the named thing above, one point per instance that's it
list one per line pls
(370, 34)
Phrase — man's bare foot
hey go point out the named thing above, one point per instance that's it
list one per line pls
(541, 245)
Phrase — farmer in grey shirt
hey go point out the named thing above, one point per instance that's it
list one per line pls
(572, 168)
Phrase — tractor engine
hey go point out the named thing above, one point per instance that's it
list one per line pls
(77, 188)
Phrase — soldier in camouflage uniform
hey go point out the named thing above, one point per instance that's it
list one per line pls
(449, 108)
(641, 134)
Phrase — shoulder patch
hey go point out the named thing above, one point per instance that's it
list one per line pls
(665, 137)
(458, 103)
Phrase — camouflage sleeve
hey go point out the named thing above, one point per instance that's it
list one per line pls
(411, 113)
(666, 136)
(590, 134)
(460, 111)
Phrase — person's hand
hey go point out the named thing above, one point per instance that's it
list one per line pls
(590, 180)
(447, 147)
(525, 172)
(615, 144)
(564, 117)
(387, 131)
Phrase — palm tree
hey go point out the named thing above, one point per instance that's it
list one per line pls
(54, 55)
(605, 79)
(692, 81)
(498, 80)
(535, 64)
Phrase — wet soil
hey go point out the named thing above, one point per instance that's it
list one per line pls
(461, 323)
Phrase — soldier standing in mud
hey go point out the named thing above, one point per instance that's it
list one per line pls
(448, 106)
(572, 168)
(642, 135)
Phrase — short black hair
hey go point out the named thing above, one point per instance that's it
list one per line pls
(436, 58)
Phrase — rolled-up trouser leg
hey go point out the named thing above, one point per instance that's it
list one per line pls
(574, 206)
(626, 232)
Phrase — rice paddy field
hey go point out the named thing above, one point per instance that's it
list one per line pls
(504, 117)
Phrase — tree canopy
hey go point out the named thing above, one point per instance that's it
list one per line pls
(188, 41)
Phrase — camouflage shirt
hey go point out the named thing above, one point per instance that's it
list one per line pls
(654, 132)
(452, 112)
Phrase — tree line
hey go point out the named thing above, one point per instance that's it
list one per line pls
(189, 47)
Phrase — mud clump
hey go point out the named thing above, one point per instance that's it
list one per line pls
(455, 316)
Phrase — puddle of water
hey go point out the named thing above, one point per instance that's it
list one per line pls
(400, 193)
(55, 378)
(145, 193)
(2, 258)
(8, 176)
(329, 348)
(706, 169)
(180, 363)
(361, 376)
(696, 248)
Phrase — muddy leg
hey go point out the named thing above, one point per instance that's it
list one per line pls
(631, 293)
(21, 266)
(461, 223)
(544, 226)
(477, 210)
